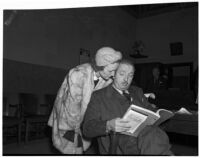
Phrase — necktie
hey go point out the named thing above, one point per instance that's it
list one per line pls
(127, 95)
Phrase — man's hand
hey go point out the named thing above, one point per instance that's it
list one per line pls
(154, 106)
(118, 125)
(150, 95)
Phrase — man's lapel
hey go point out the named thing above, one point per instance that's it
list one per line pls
(116, 99)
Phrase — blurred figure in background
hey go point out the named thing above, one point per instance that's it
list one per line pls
(156, 82)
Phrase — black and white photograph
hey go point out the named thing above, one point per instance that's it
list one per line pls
(117, 79)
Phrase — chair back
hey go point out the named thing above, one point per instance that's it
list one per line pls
(11, 104)
(30, 103)
(43, 109)
(15, 110)
(50, 99)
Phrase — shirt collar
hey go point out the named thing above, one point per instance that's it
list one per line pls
(120, 91)
(95, 76)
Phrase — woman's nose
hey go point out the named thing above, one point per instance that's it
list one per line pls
(112, 73)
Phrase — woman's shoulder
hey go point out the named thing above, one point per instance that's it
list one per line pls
(82, 69)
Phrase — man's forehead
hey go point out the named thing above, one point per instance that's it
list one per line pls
(126, 67)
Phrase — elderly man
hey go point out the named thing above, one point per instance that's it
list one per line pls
(73, 97)
(106, 109)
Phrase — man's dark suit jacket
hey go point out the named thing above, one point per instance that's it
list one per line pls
(107, 104)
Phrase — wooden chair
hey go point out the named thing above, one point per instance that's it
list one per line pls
(36, 118)
(36, 123)
(13, 120)
(50, 99)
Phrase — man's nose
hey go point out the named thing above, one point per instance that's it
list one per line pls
(126, 79)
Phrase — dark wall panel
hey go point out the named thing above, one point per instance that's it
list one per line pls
(30, 78)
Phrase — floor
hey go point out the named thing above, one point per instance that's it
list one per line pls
(35, 147)
(44, 147)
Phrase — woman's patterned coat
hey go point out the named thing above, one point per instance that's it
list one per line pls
(70, 106)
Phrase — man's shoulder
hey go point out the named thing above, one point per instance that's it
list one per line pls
(102, 91)
(135, 89)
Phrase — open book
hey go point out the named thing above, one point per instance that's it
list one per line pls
(141, 117)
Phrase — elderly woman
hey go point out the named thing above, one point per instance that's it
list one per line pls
(73, 97)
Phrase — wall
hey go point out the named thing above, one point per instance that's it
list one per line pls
(40, 46)
(30, 85)
(35, 45)
(21, 77)
(54, 38)
(157, 32)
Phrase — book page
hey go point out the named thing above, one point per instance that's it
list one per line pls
(136, 119)
(145, 111)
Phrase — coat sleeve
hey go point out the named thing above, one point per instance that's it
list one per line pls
(69, 99)
(93, 126)
(66, 114)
